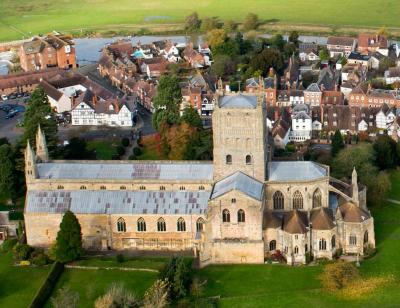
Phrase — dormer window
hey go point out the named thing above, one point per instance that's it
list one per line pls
(111, 107)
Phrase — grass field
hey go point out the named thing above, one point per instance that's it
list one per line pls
(104, 150)
(18, 285)
(20, 18)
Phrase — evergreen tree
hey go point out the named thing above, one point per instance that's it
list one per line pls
(7, 172)
(385, 149)
(337, 143)
(294, 38)
(38, 112)
(191, 117)
(192, 22)
(69, 239)
(167, 101)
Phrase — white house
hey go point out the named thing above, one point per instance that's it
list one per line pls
(91, 110)
(301, 127)
(58, 100)
(392, 75)
(362, 126)
(296, 97)
(171, 53)
(385, 118)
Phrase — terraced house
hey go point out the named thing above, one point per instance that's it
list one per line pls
(240, 208)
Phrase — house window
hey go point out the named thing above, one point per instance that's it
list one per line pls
(296, 250)
(333, 242)
(226, 216)
(366, 237)
(200, 225)
(278, 200)
(161, 227)
(60, 187)
(181, 225)
(272, 245)
(83, 187)
(248, 160)
(233, 200)
(228, 159)
(352, 240)
(121, 225)
(297, 200)
(317, 198)
(322, 244)
(141, 225)
(241, 217)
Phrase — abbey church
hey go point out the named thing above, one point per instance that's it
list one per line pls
(240, 208)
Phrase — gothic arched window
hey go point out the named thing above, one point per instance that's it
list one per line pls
(121, 225)
(278, 200)
(272, 245)
(141, 225)
(352, 239)
(248, 160)
(241, 216)
(297, 200)
(181, 225)
(317, 198)
(226, 216)
(366, 237)
(333, 242)
(228, 159)
(322, 244)
(199, 224)
(161, 227)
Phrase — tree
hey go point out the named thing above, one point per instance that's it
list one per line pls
(209, 24)
(278, 42)
(268, 58)
(216, 37)
(294, 38)
(383, 31)
(38, 112)
(378, 191)
(229, 25)
(250, 22)
(191, 117)
(385, 149)
(117, 297)
(66, 298)
(7, 173)
(229, 48)
(157, 295)
(77, 149)
(192, 22)
(223, 65)
(324, 54)
(69, 239)
(177, 273)
(385, 64)
(167, 101)
(337, 143)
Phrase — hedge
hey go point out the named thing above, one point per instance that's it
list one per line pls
(46, 289)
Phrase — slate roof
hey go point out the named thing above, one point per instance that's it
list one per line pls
(117, 202)
(50, 90)
(358, 56)
(271, 220)
(352, 213)
(241, 182)
(322, 219)
(238, 101)
(295, 171)
(313, 88)
(168, 171)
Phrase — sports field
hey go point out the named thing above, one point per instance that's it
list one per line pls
(22, 18)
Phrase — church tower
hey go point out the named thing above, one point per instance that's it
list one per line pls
(354, 186)
(41, 146)
(239, 135)
(30, 163)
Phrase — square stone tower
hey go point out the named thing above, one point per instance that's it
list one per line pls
(239, 135)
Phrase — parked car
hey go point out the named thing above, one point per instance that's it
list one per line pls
(12, 114)
(4, 97)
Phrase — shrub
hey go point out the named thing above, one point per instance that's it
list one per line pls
(125, 142)
(65, 298)
(156, 295)
(120, 150)
(9, 244)
(339, 275)
(369, 252)
(22, 252)
(309, 257)
(117, 296)
(120, 258)
(39, 258)
(338, 253)
(137, 151)
(132, 157)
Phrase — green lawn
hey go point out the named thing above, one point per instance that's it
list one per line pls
(104, 150)
(18, 285)
(135, 262)
(90, 284)
(20, 18)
